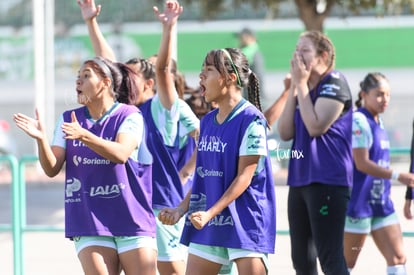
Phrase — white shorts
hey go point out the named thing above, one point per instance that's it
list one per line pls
(120, 244)
(225, 256)
(369, 224)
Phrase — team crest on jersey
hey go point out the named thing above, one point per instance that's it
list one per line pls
(335, 75)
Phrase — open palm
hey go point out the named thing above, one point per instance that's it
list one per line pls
(171, 13)
(32, 126)
(88, 9)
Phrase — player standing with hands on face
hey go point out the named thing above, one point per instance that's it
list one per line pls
(318, 118)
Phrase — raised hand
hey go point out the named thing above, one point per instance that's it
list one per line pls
(32, 126)
(88, 9)
(171, 13)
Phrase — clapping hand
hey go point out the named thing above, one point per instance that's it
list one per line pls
(73, 130)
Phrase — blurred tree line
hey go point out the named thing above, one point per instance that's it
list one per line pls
(311, 12)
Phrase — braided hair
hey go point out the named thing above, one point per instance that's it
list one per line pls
(232, 60)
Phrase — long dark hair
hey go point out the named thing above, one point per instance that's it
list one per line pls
(123, 85)
(232, 60)
(371, 81)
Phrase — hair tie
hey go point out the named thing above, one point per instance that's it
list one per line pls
(107, 72)
(233, 66)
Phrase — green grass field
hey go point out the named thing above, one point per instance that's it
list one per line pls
(356, 48)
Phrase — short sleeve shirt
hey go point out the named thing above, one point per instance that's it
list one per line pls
(254, 142)
(180, 119)
(361, 131)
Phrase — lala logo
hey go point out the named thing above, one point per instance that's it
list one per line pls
(221, 220)
(107, 191)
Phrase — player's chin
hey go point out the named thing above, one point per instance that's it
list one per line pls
(208, 98)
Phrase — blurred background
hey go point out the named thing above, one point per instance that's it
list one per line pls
(43, 43)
